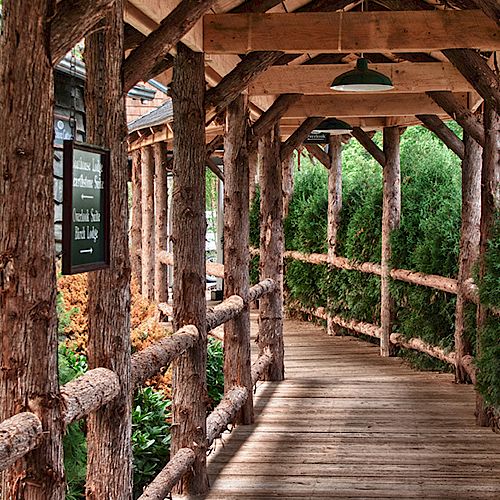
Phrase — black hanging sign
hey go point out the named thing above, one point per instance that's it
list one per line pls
(317, 138)
(85, 208)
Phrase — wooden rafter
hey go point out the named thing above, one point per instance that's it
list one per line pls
(365, 140)
(299, 136)
(491, 8)
(423, 31)
(319, 153)
(438, 127)
(150, 53)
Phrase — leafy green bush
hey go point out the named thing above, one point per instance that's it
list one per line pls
(215, 371)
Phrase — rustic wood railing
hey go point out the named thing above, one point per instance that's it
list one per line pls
(90, 392)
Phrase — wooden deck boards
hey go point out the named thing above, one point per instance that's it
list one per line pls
(347, 423)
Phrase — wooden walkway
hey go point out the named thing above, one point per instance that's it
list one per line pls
(347, 423)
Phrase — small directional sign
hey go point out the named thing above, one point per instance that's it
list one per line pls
(85, 208)
(317, 138)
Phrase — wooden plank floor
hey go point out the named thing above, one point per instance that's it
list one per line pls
(347, 423)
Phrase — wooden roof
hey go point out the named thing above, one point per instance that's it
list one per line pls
(320, 39)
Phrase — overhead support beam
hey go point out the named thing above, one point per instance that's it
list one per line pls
(73, 19)
(459, 112)
(475, 68)
(268, 119)
(367, 105)
(319, 153)
(215, 169)
(365, 140)
(316, 78)
(233, 84)
(491, 8)
(156, 46)
(299, 136)
(423, 31)
(438, 127)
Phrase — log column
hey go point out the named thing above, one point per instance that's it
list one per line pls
(109, 463)
(237, 362)
(469, 244)
(148, 222)
(391, 216)
(28, 320)
(189, 396)
(161, 221)
(136, 226)
(490, 210)
(271, 254)
(334, 205)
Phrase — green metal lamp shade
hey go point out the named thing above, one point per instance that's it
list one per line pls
(362, 79)
(333, 126)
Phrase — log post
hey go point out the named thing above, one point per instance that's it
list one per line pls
(334, 205)
(237, 358)
(148, 222)
(189, 396)
(109, 462)
(391, 215)
(490, 210)
(287, 173)
(161, 222)
(253, 162)
(469, 244)
(136, 226)
(271, 255)
(28, 320)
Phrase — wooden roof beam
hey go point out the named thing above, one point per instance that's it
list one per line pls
(255, 6)
(316, 79)
(491, 8)
(423, 31)
(73, 19)
(318, 153)
(155, 47)
(439, 128)
(476, 70)
(299, 136)
(459, 112)
(365, 140)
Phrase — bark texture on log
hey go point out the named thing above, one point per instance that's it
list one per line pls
(464, 117)
(109, 463)
(365, 140)
(136, 225)
(260, 289)
(260, 365)
(421, 346)
(169, 476)
(221, 313)
(490, 208)
(148, 222)
(213, 268)
(18, 435)
(88, 393)
(299, 136)
(189, 398)
(148, 362)
(73, 19)
(391, 216)
(237, 357)
(334, 204)
(161, 222)
(253, 166)
(156, 46)
(319, 153)
(225, 412)
(232, 85)
(28, 320)
(476, 70)
(267, 120)
(271, 256)
(491, 8)
(469, 243)
(287, 188)
(438, 127)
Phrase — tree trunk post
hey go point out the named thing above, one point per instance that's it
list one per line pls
(189, 396)
(287, 173)
(469, 244)
(237, 357)
(490, 209)
(391, 216)
(28, 320)
(253, 160)
(334, 206)
(136, 226)
(161, 222)
(109, 463)
(148, 222)
(271, 255)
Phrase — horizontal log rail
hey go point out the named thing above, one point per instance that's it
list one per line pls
(169, 476)
(421, 346)
(213, 268)
(259, 366)
(18, 435)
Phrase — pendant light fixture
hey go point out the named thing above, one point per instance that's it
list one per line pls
(362, 79)
(333, 126)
